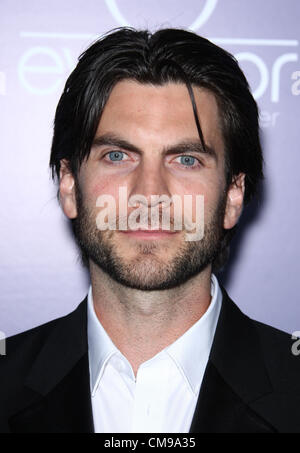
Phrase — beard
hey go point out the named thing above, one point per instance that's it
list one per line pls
(153, 265)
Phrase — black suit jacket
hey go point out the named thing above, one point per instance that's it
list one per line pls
(251, 383)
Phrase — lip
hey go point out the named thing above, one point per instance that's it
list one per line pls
(148, 234)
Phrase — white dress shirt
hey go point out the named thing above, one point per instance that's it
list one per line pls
(163, 396)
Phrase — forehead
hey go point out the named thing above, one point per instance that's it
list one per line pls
(160, 113)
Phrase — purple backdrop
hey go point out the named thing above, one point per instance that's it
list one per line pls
(40, 274)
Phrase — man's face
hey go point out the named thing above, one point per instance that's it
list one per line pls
(145, 142)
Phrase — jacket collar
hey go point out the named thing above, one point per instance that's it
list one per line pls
(235, 377)
(66, 344)
(236, 353)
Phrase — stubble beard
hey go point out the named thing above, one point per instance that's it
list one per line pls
(152, 265)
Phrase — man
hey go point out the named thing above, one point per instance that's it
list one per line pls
(157, 345)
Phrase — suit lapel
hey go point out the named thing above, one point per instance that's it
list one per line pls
(56, 394)
(235, 376)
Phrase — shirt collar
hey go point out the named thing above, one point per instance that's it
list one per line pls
(195, 342)
(101, 347)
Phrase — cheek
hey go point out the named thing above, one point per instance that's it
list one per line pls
(208, 189)
(100, 188)
(205, 195)
(94, 189)
(118, 192)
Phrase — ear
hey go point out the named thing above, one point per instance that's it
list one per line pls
(235, 199)
(67, 190)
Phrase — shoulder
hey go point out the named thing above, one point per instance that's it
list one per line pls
(21, 350)
(281, 352)
(28, 343)
(253, 344)
(261, 364)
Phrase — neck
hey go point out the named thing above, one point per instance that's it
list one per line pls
(142, 323)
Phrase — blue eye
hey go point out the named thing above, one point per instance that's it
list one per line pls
(116, 155)
(187, 160)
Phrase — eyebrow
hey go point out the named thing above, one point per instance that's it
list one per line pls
(185, 146)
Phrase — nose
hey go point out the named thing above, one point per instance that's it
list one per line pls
(150, 179)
